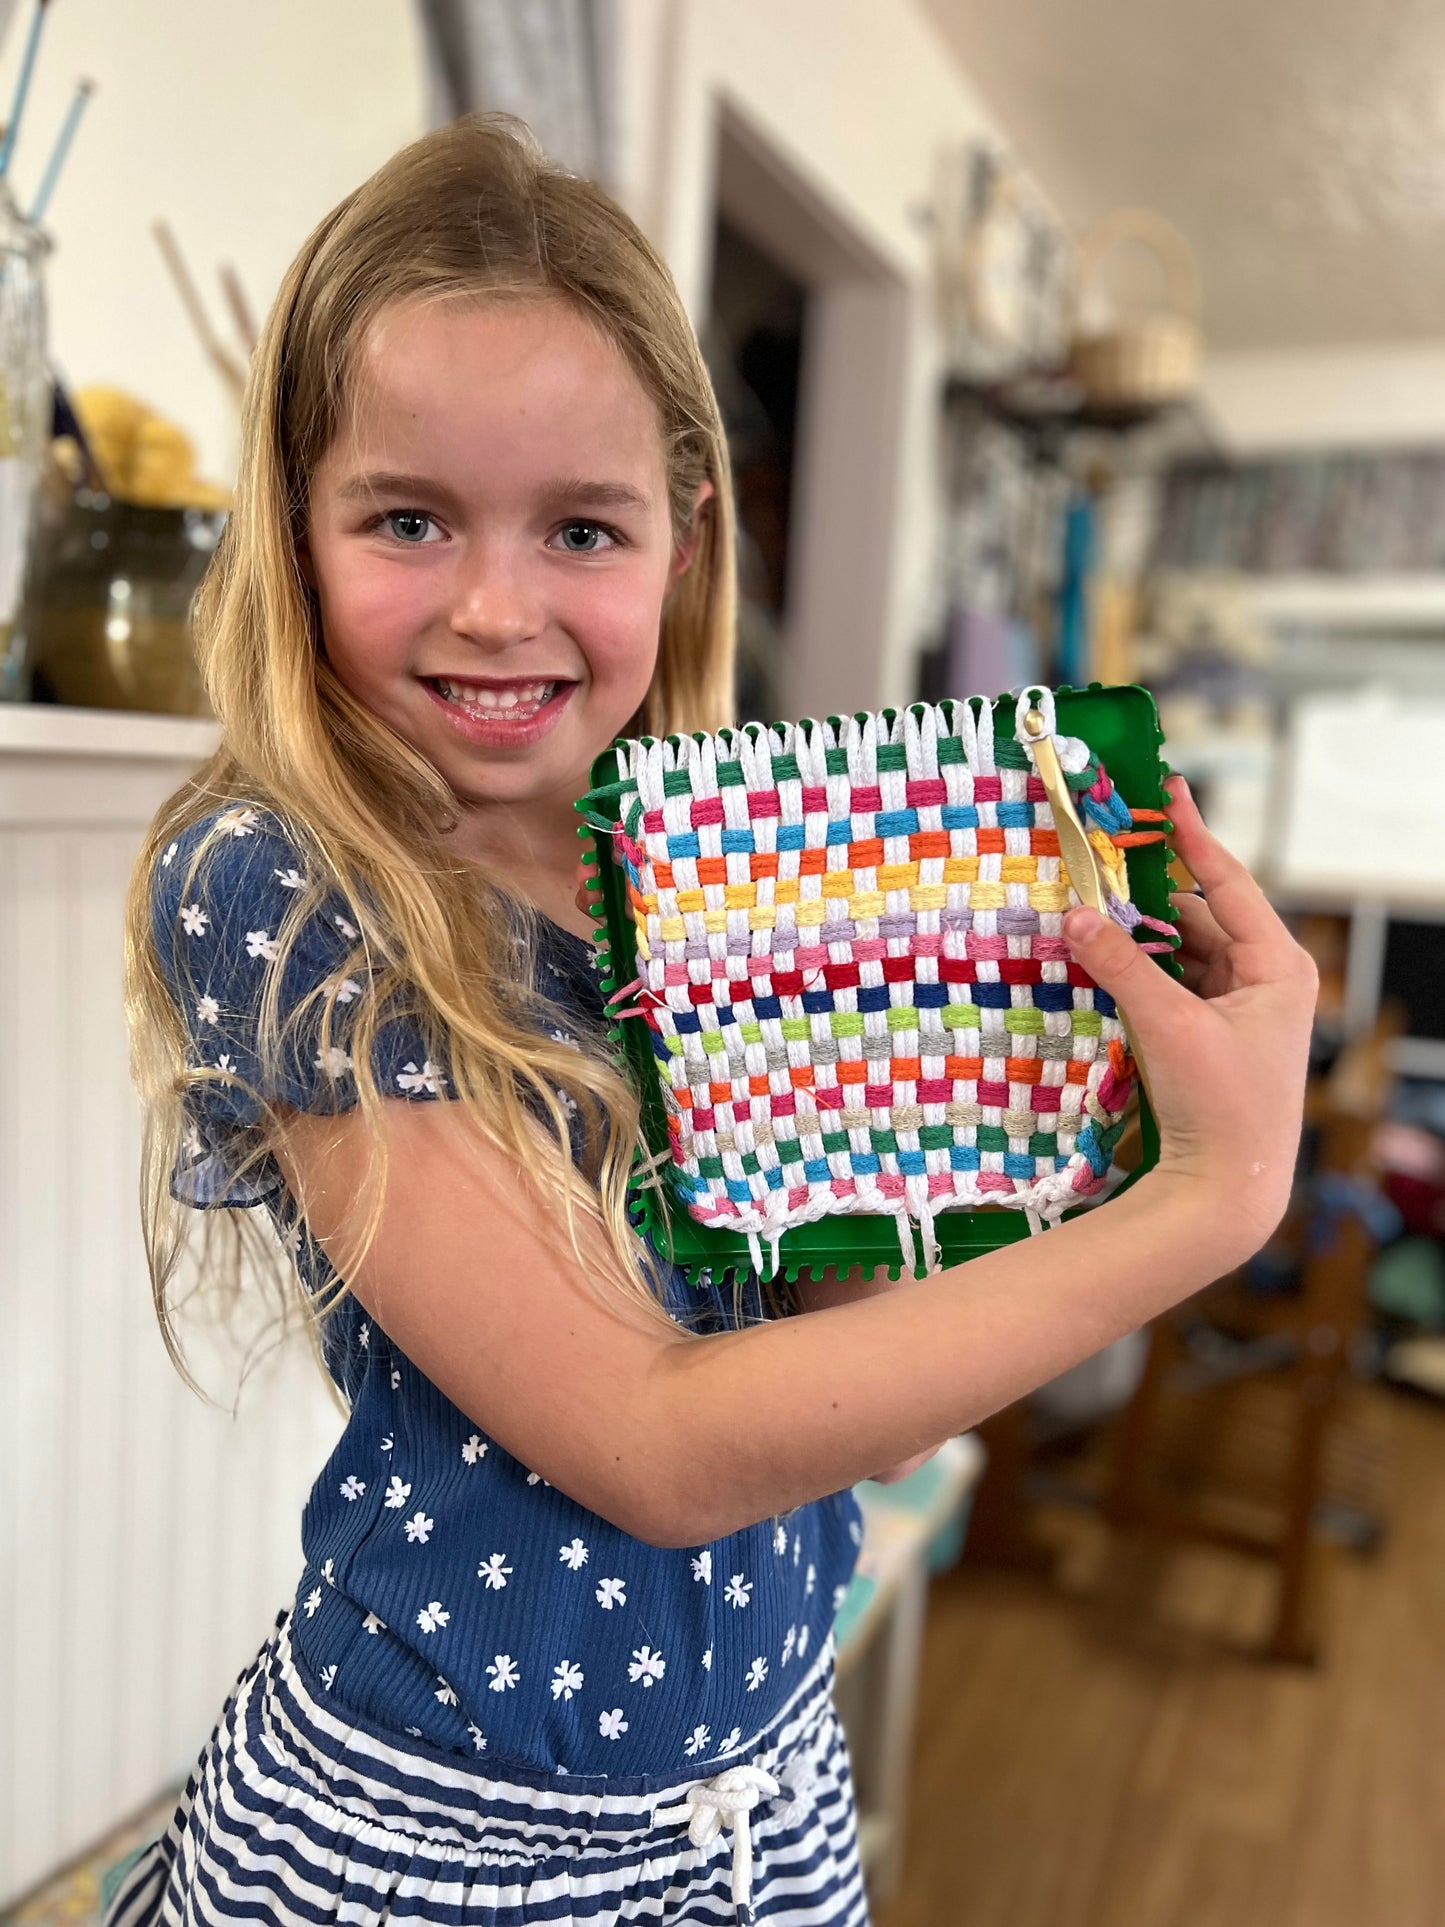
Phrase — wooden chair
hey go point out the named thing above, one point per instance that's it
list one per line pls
(1300, 1338)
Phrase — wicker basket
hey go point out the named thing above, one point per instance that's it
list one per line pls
(1147, 360)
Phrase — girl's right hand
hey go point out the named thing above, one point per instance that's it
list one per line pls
(1224, 1053)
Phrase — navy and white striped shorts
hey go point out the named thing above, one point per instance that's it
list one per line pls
(293, 1816)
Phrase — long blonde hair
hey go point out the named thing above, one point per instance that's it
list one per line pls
(472, 211)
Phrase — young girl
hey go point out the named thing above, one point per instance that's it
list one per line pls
(561, 1650)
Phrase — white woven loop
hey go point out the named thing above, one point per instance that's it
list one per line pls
(1035, 697)
(727, 1799)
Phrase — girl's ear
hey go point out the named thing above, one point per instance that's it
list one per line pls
(686, 549)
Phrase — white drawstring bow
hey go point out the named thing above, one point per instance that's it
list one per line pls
(726, 1800)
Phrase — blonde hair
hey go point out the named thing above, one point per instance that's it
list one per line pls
(471, 211)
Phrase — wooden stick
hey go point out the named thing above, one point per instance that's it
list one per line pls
(230, 369)
(240, 308)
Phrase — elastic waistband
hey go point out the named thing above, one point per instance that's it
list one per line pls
(368, 1781)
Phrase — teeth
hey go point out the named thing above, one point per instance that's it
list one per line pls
(497, 701)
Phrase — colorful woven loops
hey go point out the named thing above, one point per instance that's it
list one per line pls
(852, 968)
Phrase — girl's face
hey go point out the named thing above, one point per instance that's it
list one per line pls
(490, 544)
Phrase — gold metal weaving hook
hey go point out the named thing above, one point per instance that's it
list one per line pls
(1077, 852)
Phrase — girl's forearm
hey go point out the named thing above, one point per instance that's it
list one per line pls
(762, 1420)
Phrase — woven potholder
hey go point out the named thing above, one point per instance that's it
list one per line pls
(851, 970)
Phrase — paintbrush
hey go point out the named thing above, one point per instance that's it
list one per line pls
(83, 91)
(22, 88)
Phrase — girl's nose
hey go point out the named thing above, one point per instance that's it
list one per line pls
(498, 603)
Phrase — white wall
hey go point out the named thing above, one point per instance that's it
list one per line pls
(858, 98)
(1364, 396)
(240, 125)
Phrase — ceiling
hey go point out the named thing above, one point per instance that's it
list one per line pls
(1300, 144)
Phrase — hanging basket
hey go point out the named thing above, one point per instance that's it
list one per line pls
(1142, 361)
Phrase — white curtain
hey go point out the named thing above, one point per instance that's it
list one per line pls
(548, 61)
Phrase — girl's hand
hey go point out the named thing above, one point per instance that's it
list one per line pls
(1224, 1053)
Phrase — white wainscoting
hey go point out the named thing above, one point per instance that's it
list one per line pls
(147, 1540)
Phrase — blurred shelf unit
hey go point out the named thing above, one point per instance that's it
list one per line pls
(53, 729)
(1054, 421)
(1364, 602)
(1373, 513)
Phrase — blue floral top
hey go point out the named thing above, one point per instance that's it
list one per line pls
(451, 1594)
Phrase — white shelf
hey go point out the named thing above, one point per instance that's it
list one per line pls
(1350, 601)
(50, 729)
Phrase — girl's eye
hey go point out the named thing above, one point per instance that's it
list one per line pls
(587, 531)
(408, 525)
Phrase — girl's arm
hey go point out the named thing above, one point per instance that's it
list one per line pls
(845, 1288)
(682, 1440)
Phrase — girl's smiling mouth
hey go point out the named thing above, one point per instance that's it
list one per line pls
(498, 712)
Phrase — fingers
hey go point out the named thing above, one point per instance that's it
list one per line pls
(1237, 903)
(1146, 994)
(1201, 936)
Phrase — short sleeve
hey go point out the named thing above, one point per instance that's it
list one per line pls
(268, 1004)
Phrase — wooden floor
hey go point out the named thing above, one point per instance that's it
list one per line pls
(1100, 1749)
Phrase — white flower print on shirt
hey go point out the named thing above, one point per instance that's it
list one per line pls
(566, 1679)
(238, 822)
(646, 1665)
(611, 1725)
(780, 1537)
(757, 1673)
(802, 1641)
(328, 1677)
(348, 930)
(397, 1494)
(371, 1624)
(707, 1660)
(475, 1448)
(333, 1060)
(433, 1617)
(225, 1063)
(610, 1593)
(479, 1738)
(504, 1673)
(260, 943)
(313, 1600)
(702, 1566)
(207, 1011)
(573, 1556)
(855, 1532)
(194, 920)
(495, 1571)
(291, 879)
(810, 1581)
(789, 1643)
(698, 1743)
(797, 1547)
(445, 1692)
(418, 1528)
(840, 1593)
(170, 856)
(425, 1079)
(738, 1590)
(363, 1337)
(731, 1740)
(347, 989)
(395, 1378)
(385, 1446)
(328, 1572)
